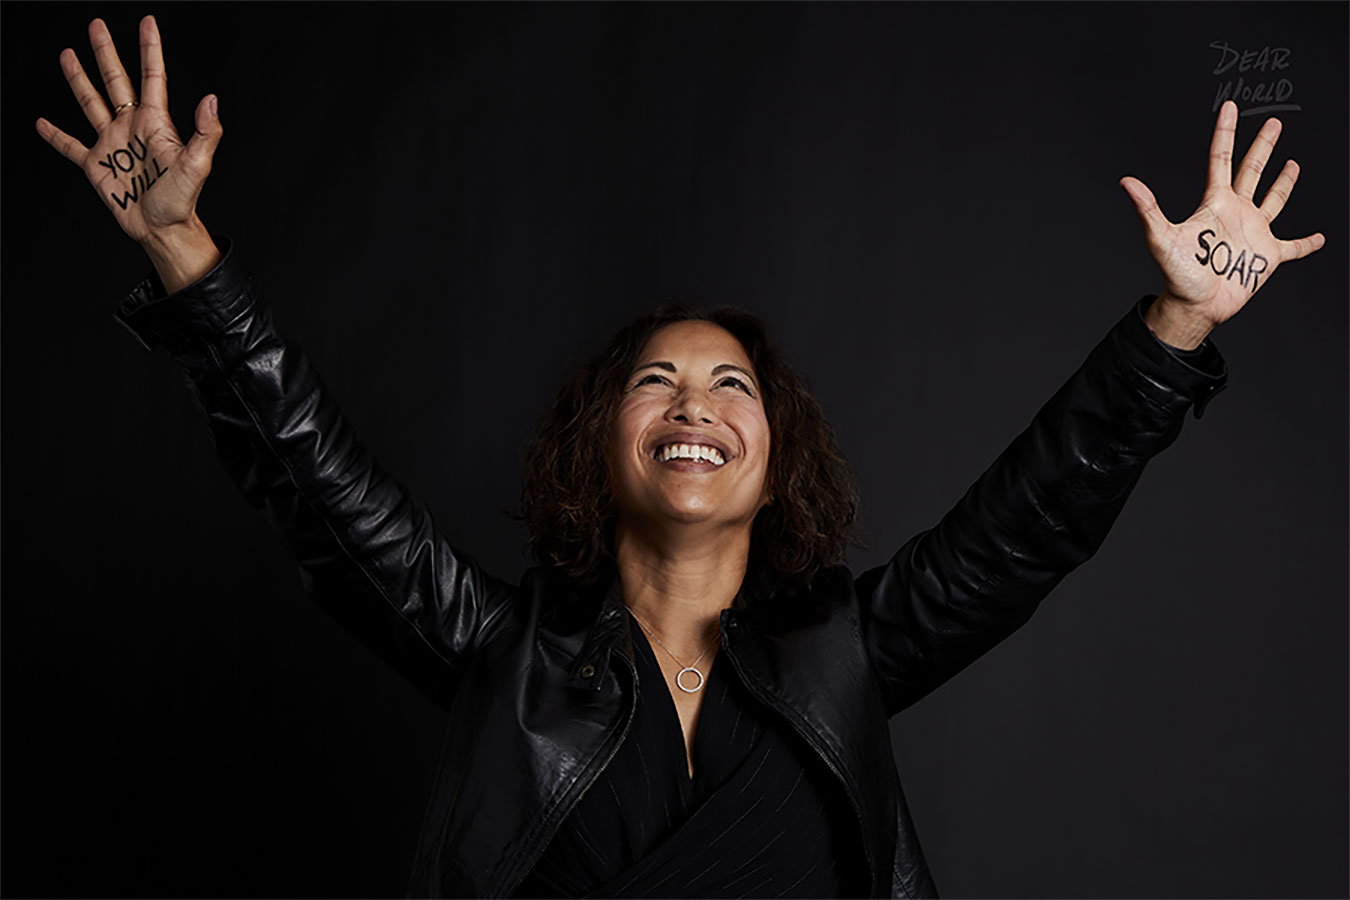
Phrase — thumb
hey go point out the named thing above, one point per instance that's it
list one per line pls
(201, 147)
(1145, 205)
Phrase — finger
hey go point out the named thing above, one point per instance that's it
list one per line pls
(1221, 147)
(66, 145)
(1249, 173)
(201, 147)
(154, 84)
(1279, 192)
(120, 89)
(90, 100)
(1145, 205)
(1301, 247)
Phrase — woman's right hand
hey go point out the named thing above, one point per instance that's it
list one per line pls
(146, 176)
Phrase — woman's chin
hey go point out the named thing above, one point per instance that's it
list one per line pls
(686, 515)
(686, 506)
(698, 510)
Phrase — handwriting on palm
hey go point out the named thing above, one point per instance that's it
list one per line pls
(144, 173)
(1218, 258)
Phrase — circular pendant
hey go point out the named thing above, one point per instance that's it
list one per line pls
(680, 684)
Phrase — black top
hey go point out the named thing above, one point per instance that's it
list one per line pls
(762, 816)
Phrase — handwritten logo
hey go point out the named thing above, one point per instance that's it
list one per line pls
(1270, 91)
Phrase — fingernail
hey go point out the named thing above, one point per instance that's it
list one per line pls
(213, 106)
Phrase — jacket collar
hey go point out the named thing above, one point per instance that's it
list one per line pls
(609, 631)
(761, 600)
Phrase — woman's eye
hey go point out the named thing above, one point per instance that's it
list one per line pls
(736, 381)
(649, 379)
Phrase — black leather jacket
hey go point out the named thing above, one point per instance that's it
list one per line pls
(538, 679)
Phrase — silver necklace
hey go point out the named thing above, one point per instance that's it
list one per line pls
(689, 668)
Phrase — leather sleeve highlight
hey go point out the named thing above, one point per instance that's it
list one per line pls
(1039, 511)
(369, 550)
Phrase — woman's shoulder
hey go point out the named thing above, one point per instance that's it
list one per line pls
(778, 600)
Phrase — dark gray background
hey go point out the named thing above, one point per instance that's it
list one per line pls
(450, 206)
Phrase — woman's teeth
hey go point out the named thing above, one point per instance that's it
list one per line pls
(690, 451)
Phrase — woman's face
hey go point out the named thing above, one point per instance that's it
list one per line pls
(690, 442)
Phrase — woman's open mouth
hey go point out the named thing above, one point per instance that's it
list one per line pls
(698, 454)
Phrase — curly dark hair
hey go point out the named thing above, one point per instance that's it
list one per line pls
(567, 500)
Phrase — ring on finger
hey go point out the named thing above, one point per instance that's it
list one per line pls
(121, 106)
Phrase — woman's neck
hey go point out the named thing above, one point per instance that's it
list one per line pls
(679, 587)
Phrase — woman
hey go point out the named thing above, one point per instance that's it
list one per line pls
(689, 695)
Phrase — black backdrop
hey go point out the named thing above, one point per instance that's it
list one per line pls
(450, 205)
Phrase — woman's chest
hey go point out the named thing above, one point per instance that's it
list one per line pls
(688, 702)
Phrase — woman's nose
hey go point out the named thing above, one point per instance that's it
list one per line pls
(691, 407)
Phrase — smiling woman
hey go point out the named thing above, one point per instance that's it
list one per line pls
(684, 486)
(568, 501)
(717, 461)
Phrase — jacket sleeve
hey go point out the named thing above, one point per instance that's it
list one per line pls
(1045, 506)
(369, 551)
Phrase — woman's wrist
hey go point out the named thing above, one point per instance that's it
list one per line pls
(182, 255)
(1169, 322)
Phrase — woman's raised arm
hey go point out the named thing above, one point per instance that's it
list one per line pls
(1046, 504)
(369, 551)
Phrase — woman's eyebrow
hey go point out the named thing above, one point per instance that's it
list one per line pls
(728, 366)
(659, 364)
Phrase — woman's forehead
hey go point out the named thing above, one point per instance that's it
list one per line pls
(692, 342)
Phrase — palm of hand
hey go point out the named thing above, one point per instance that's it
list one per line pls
(133, 166)
(1216, 260)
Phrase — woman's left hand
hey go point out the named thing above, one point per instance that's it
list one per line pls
(1214, 262)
